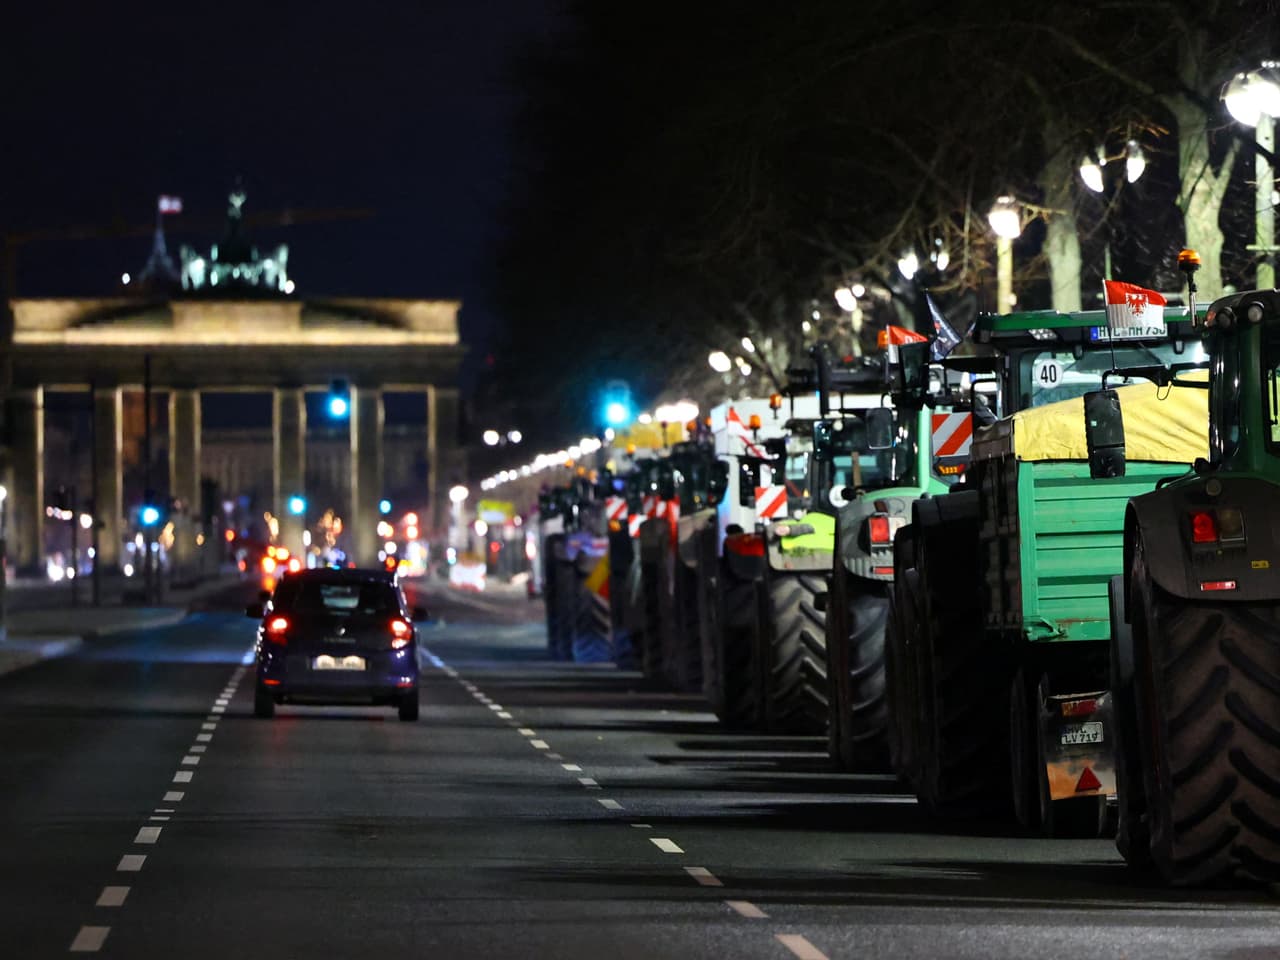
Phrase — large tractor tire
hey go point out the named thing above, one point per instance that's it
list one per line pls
(1133, 835)
(740, 690)
(557, 596)
(792, 645)
(901, 638)
(656, 575)
(856, 615)
(1208, 705)
(963, 684)
(591, 622)
(621, 615)
(682, 652)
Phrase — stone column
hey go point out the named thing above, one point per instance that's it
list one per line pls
(443, 463)
(366, 472)
(184, 479)
(108, 492)
(289, 444)
(26, 499)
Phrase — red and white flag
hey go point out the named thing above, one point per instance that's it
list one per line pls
(1129, 305)
(170, 205)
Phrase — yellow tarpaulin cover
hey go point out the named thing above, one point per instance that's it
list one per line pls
(649, 436)
(1169, 424)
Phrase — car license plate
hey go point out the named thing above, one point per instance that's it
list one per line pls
(1072, 733)
(1131, 332)
(326, 662)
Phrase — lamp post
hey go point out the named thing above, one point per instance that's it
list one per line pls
(1092, 169)
(1253, 98)
(1005, 218)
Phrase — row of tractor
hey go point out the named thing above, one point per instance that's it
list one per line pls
(1035, 578)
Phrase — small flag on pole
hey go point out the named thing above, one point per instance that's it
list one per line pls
(1129, 305)
(170, 205)
(945, 337)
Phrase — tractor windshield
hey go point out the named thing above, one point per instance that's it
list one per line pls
(1271, 386)
(1050, 375)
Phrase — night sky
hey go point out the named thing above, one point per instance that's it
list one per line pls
(403, 109)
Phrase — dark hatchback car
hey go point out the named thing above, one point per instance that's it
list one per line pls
(337, 636)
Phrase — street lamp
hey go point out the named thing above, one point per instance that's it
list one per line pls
(1253, 98)
(719, 361)
(1005, 218)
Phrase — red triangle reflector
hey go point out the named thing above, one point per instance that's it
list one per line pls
(1087, 781)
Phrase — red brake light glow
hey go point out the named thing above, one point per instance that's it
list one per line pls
(745, 544)
(1217, 585)
(879, 527)
(1204, 527)
(400, 634)
(277, 627)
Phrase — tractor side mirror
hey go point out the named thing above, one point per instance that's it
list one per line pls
(1104, 434)
(913, 370)
(822, 441)
(879, 428)
(717, 482)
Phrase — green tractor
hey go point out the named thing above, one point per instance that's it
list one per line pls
(1195, 615)
(997, 637)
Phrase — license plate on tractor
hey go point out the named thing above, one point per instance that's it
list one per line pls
(1074, 733)
(327, 662)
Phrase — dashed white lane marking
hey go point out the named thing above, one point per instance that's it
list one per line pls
(665, 845)
(174, 796)
(221, 701)
(704, 876)
(148, 835)
(203, 737)
(540, 744)
(554, 756)
(198, 748)
(801, 947)
(190, 760)
(609, 804)
(218, 710)
(589, 783)
(182, 776)
(504, 715)
(90, 939)
(164, 810)
(131, 863)
(158, 819)
(527, 732)
(208, 726)
(112, 897)
(572, 767)
(642, 826)
(496, 707)
(745, 908)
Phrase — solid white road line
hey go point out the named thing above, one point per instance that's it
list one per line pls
(182, 776)
(704, 876)
(112, 897)
(131, 863)
(90, 939)
(801, 947)
(148, 835)
(540, 744)
(609, 804)
(526, 732)
(665, 845)
(745, 908)
(174, 796)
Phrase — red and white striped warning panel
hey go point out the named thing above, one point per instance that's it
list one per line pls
(649, 505)
(770, 502)
(952, 441)
(633, 524)
(615, 508)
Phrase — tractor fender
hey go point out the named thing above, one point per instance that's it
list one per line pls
(1182, 567)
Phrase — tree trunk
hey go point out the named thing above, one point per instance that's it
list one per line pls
(1062, 240)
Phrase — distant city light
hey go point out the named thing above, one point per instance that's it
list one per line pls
(339, 407)
(289, 286)
(747, 345)
(515, 436)
(491, 438)
(719, 362)
(459, 493)
(384, 506)
(481, 528)
(846, 299)
(150, 516)
(125, 279)
(297, 505)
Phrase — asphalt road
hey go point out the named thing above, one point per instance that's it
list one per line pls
(535, 810)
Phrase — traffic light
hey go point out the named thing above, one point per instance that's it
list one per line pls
(616, 407)
(149, 515)
(339, 401)
(297, 505)
(384, 506)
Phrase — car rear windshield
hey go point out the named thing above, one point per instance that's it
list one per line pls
(338, 599)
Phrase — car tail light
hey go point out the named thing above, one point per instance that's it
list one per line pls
(295, 565)
(278, 630)
(879, 529)
(400, 634)
(268, 564)
(1217, 585)
(1204, 527)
